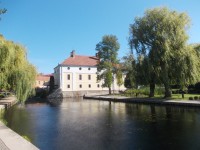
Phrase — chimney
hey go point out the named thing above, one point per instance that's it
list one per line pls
(73, 53)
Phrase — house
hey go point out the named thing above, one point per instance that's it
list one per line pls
(78, 74)
(42, 81)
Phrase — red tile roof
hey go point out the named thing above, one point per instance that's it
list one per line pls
(43, 77)
(78, 60)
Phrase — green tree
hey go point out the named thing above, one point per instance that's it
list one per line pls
(16, 73)
(119, 77)
(107, 51)
(129, 69)
(197, 48)
(160, 35)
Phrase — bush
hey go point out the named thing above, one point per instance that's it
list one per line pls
(159, 90)
(144, 91)
(190, 98)
(40, 92)
(175, 91)
(26, 138)
(2, 95)
(196, 98)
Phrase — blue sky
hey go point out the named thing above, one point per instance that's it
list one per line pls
(50, 29)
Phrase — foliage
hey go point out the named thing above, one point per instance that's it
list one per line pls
(119, 77)
(26, 138)
(107, 51)
(16, 73)
(2, 95)
(194, 88)
(191, 98)
(160, 38)
(129, 80)
(2, 113)
(3, 11)
(129, 69)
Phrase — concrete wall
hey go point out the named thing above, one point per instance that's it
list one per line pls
(82, 93)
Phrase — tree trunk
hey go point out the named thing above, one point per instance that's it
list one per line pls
(165, 79)
(152, 88)
(110, 92)
(167, 91)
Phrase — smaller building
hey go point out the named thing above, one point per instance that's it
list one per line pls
(42, 81)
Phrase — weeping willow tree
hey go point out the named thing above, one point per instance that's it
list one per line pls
(160, 35)
(16, 73)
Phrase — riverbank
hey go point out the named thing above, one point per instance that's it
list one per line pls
(116, 98)
(7, 102)
(9, 140)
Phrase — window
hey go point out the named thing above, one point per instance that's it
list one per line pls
(80, 77)
(80, 68)
(80, 86)
(89, 85)
(68, 68)
(89, 68)
(68, 77)
(98, 85)
(89, 77)
(68, 86)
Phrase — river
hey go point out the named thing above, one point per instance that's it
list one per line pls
(79, 124)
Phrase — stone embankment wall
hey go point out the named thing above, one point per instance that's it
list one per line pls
(59, 94)
(7, 102)
(56, 94)
(83, 93)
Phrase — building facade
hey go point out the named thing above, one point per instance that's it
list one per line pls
(79, 73)
(42, 81)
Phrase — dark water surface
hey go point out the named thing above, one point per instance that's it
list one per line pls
(98, 125)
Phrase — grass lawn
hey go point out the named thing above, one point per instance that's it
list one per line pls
(174, 96)
(179, 96)
(186, 96)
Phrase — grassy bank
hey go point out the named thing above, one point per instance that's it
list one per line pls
(144, 93)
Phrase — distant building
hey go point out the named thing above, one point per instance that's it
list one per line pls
(42, 81)
(79, 73)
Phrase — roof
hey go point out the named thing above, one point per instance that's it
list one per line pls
(43, 77)
(79, 60)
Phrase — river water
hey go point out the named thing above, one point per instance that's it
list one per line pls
(79, 124)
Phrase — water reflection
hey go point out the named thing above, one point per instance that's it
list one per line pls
(85, 124)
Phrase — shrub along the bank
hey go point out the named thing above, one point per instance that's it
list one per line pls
(2, 95)
(191, 98)
(143, 91)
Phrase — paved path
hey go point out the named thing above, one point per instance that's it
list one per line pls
(3, 146)
(9, 140)
(115, 98)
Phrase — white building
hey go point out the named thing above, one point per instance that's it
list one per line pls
(79, 74)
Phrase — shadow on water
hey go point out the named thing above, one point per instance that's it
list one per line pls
(87, 124)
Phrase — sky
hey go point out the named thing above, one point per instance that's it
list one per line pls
(51, 29)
